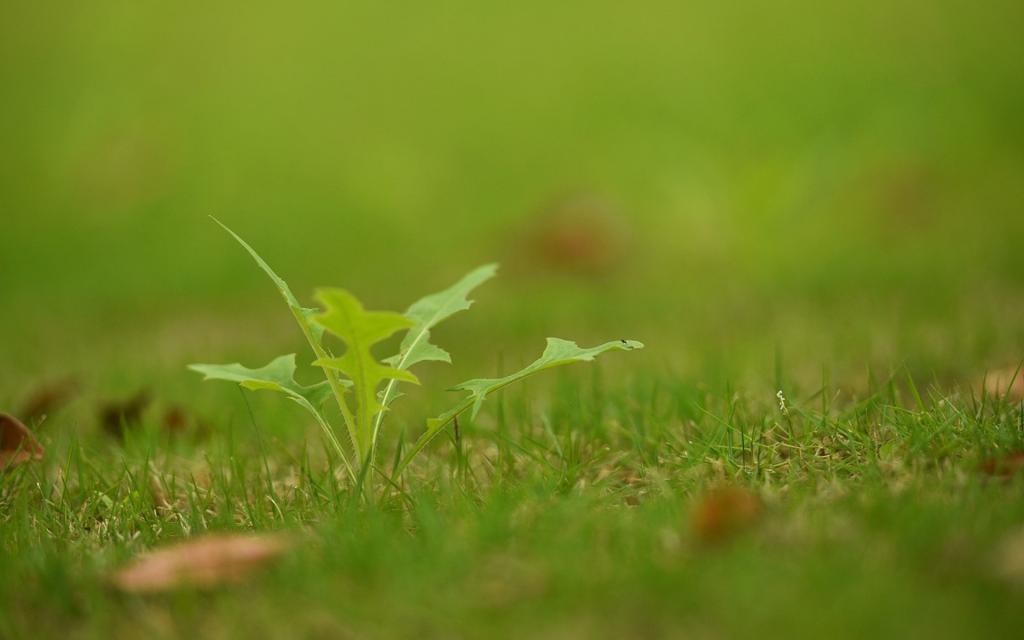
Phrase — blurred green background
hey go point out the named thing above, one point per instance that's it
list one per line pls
(837, 183)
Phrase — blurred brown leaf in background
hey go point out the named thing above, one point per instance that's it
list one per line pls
(205, 562)
(17, 444)
(580, 234)
(723, 512)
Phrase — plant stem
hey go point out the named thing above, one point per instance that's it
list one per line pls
(336, 388)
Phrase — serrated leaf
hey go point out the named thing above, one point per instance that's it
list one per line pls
(360, 330)
(303, 315)
(558, 352)
(426, 313)
(386, 399)
(277, 376)
(429, 311)
(314, 336)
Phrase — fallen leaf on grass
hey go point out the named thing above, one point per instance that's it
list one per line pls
(724, 512)
(17, 444)
(115, 416)
(206, 562)
(179, 421)
(175, 419)
(47, 399)
(1004, 466)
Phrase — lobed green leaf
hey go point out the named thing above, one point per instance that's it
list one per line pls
(557, 353)
(313, 333)
(303, 315)
(429, 311)
(360, 329)
(277, 376)
(426, 313)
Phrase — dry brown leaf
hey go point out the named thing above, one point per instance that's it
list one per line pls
(202, 563)
(175, 419)
(1008, 383)
(115, 416)
(46, 399)
(179, 420)
(17, 444)
(1004, 466)
(723, 512)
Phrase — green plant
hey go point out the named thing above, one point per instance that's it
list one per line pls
(359, 373)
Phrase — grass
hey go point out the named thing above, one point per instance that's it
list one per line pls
(569, 521)
(819, 199)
